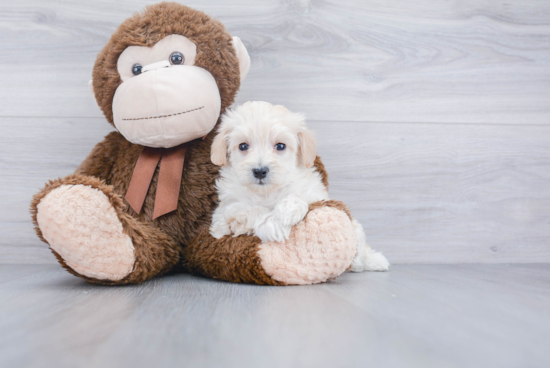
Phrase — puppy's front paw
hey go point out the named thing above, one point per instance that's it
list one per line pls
(219, 229)
(239, 225)
(291, 210)
(242, 221)
(269, 228)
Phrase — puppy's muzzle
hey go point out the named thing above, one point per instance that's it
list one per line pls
(260, 173)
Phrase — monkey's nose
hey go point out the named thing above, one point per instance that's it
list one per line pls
(157, 65)
(260, 172)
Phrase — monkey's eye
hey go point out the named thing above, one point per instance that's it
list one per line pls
(280, 146)
(176, 58)
(243, 146)
(136, 69)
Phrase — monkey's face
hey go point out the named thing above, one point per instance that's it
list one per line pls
(164, 99)
(167, 73)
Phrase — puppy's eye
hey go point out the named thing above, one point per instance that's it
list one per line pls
(280, 146)
(176, 58)
(136, 69)
(243, 146)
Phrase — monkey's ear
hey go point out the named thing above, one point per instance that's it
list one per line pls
(218, 150)
(242, 55)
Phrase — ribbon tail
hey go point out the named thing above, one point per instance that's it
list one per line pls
(142, 176)
(169, 183)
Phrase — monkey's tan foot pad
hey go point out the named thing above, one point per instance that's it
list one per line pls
(320, 247)
(81, 225)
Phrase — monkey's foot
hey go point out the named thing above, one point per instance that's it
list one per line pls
(82, 227)
(320, 247)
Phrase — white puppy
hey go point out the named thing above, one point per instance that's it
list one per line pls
(268, 180)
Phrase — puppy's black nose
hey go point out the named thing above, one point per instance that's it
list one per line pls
(260, 172)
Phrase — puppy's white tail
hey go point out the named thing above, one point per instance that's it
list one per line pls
(366, 259)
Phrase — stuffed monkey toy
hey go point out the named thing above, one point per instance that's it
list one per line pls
(140, 205)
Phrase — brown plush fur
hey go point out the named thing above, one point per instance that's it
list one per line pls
(320, 168)
(230, 259)
(161, 245)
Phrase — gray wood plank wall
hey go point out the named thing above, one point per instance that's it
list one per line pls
(433, 117)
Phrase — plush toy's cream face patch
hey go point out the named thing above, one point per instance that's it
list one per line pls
(164, 99)
(163, 50)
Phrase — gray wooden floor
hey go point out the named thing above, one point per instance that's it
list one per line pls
(414, 316)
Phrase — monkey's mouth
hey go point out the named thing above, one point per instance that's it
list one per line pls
(165, 116)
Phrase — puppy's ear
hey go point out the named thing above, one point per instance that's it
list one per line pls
(218, 152)
(307, 146)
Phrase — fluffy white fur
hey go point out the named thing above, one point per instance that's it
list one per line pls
(269, 207)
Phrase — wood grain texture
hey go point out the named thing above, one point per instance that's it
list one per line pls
(394, 61)
(432, 117)
(425, 193)
(444, 193)
(413, 316)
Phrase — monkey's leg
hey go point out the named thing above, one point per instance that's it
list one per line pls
(83, 221)
(321, 247)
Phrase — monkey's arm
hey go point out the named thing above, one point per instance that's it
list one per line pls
(100, 161)
(233, 259)
(320, 247)
(320, 167)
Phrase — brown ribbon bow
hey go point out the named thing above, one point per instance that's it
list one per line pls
(169, 182)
